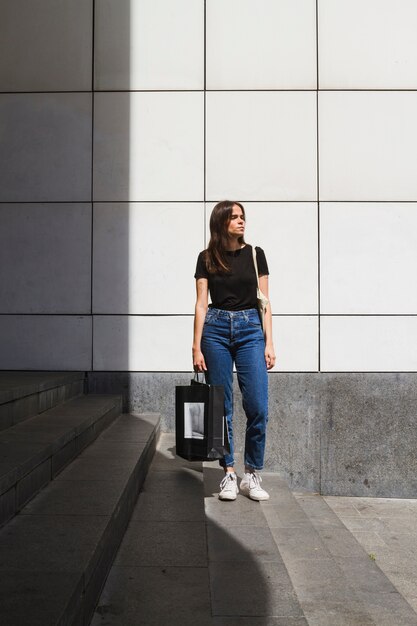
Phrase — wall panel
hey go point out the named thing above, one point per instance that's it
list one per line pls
(45, 342)
(46, 45)
(271, 45)
(367, 145)
(148, 146)
(45, 148)
(46, 249)
(261, 145)
(367, 45)
(149, 44)
(368, 258)
(159, 243)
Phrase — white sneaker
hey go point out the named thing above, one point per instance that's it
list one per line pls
(228, 487)
(250, 486)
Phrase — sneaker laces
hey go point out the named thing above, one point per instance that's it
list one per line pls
(229, 476)
(255, 480)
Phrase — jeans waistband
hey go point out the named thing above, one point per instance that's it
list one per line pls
(236, 314)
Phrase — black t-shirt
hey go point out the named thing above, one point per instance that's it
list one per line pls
(235, 290)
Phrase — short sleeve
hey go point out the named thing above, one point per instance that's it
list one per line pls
(201, 269)
(261, 261)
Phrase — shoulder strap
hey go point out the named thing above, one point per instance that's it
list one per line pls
(255, 262)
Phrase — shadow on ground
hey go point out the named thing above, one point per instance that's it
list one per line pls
(189, 558)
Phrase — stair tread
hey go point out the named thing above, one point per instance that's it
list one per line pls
(28, 443)
(67, 529)
(14, 385)
(75, 411)
(331, 573)
(96, 488)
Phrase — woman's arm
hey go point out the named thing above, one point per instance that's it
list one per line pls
(269, 344)
(201, 304)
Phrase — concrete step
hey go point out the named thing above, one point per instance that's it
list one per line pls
(55, 555)
(25, 394)
(159, 575)
(249, 581)
(336, 581)
(34, 451)
(386, 528)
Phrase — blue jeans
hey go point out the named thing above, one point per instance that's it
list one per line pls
(236, 336)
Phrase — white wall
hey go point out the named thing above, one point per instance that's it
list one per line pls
(111, 160)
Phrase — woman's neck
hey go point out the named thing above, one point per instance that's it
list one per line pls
(233, 245)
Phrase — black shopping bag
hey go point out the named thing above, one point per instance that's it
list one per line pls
(200, 424)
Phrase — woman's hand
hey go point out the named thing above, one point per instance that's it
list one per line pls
(199, 363)
(269, 356)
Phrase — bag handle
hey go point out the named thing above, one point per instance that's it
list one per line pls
(196, 379)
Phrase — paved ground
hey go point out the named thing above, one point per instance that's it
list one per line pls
(387, 530)
(297, 560)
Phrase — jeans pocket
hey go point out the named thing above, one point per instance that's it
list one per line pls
(210, 317)
(254, 319)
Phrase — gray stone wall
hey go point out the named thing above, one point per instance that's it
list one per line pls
(339, 434)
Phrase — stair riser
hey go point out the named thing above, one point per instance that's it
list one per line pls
(73, 615)
(7, 506)
(64, 456)
(58, 395)
(94, 431)
(78, 444)
(16, 411)
(115, 531)
(31, 483)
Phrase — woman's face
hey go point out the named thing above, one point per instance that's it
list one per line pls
(236, 226)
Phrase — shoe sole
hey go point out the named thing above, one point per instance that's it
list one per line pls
(260, 499)
(227, 499)
(257, 499)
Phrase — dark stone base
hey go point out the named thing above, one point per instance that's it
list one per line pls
(339, 434)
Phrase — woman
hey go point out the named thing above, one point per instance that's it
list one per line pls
(229, 331)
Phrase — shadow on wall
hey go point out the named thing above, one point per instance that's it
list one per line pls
(111, 186)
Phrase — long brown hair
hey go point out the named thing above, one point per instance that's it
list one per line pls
(215, 255)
